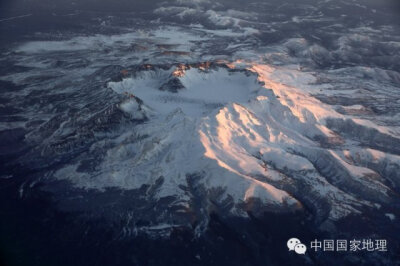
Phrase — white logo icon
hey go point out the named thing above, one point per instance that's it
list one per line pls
(294, 244)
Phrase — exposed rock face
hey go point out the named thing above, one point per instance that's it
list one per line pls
(172, 85)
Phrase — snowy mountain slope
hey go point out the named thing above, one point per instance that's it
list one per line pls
(241, 135)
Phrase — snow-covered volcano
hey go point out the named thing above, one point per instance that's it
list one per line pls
(185, 109)
(237, 137)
